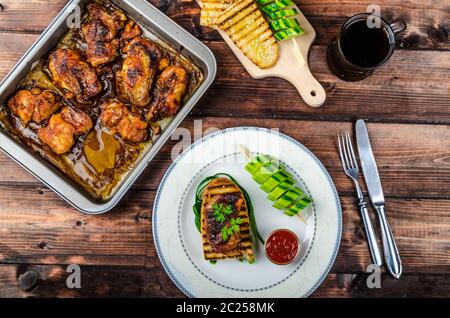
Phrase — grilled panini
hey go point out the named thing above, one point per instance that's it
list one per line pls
(212, 10)
(222, 192)
(245, 25)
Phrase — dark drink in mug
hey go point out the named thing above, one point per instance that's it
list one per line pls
(362, 46)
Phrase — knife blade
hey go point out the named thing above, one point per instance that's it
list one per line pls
(372, 179)
(368, 164)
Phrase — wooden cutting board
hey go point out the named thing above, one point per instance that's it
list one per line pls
(291, 66)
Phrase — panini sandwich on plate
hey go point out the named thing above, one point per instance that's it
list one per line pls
(225, 222)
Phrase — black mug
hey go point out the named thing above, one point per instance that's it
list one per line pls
(365, 43)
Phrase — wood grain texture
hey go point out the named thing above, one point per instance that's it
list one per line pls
(29, 16)
(428, 21)
(413, 160)
(138, 282)
(355, 286)
(95, 282)
(405, 90)
(407, 103)
(410, 88)
(45, 230)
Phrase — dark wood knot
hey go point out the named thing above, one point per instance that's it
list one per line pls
(28, 280)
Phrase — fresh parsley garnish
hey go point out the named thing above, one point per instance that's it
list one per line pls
(221, 213)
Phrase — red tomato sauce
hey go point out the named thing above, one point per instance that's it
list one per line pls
(282, 247)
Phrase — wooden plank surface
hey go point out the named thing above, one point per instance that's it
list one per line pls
(406, 90)
(428, 21)
(407, 104)
(50, 281)
(413, 159)
(45, 230)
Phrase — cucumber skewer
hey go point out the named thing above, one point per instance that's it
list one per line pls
(249, 156)
(282, 18)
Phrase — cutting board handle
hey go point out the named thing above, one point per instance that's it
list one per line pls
(309, 88)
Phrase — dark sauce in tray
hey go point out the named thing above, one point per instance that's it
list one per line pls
(98, 161)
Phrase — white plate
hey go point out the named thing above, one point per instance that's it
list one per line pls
(178, 243)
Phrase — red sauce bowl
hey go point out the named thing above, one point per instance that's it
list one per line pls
(282, 247)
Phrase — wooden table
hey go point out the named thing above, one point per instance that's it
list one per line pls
(407, 105)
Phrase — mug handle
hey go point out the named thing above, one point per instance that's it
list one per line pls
(398, 26)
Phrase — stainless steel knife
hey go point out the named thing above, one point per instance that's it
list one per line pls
(372, 178)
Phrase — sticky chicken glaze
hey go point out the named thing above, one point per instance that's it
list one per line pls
(62, 128)
(132, 30)
(74, 75)
(134, 81)
(34, 105)
(85, 106)
(119, 119)
(100, 32)
(171, 87)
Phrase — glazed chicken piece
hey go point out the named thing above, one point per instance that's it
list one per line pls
(72, 74)
(131, 31)
(33, 105)
(78, 119)
(99, 51)
(62, 129)
(135, 80)
(113, 19)
(120, 120)
(99, 32)
(171, 87)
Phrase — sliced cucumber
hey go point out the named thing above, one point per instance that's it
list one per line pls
(289, 33)
(283, 14)
(289, 213)
(277, 6)
(275, 180)
(284, 23)
(280, 190)
(264, 2)
(280, 184)
(256, 164)
(288, 198)
(298, 206)
(265, 172)
(307, 200)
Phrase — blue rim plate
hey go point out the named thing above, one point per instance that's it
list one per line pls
(178, 244)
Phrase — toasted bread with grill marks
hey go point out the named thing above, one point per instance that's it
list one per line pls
(248, 29)
(212, 10)
(239, 245)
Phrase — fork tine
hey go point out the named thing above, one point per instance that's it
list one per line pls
(340, 152)
(347, 148)
(349, 141)
(346, 153)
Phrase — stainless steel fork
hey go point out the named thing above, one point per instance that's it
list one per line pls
(351, 169)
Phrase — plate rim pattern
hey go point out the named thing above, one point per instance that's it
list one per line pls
(222, 132)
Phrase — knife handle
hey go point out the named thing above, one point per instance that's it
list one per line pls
(391, 255)
(370, 232)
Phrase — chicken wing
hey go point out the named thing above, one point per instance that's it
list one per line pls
(62, 129)
(78, 119)
(99, 32)
(135, 80)
(119, 119)
(72, 74)
(171, 87)
(131, 31)
(112, 18)
(33, 105)
(59, 134)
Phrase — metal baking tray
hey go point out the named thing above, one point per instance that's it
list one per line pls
(154, 21)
